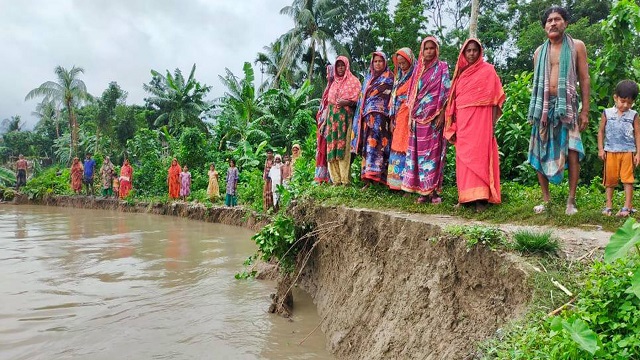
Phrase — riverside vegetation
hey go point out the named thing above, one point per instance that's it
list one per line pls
(600, 320)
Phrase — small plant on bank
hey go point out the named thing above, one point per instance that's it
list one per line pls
(478, 234)
(533, 242)
(275, 241)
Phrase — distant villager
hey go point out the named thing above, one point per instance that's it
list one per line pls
(126, 179)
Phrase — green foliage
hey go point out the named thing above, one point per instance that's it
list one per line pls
(7, 177)
(250, 185)
(478, 234)
(627, 237)
(149, 167)
(250, 273)
(51, 181)
(178, 102)
(532, 242)
(513, 131)
(192, 148)
(275, 241)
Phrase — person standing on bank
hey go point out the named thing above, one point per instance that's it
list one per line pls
(21, 172)
(428, 92)
(267, 193)
(89, 169)
(371, 135)
(232, 184)
(555, 144)
(404, 63)
(322, 169)
(473, 108)
(342, 97)
(107, 173)
(619, 145)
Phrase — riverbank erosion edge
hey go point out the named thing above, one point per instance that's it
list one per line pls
(388, 287)
(385, 286)
(235, 216)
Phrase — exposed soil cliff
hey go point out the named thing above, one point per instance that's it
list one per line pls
(389, 287)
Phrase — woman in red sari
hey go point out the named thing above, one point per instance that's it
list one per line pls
(173, 179)
(404, 63)
(126, 179)
(474, 106)
(76, 175)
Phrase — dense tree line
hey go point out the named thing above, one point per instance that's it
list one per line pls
(176, 119)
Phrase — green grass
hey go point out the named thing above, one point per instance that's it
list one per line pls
(532, 242)
(516, 207)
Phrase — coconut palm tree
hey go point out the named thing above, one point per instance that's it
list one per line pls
(67, 90)
(270, 61)
(179, 102)
(47, 112)
(309, 32)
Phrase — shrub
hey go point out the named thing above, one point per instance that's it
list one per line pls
(531, 242)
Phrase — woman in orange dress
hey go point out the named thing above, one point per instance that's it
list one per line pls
(404, 62)
(474, 106)
(173, 179)
(76, 175)
(126, 179)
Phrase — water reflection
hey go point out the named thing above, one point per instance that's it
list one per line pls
(80, 284)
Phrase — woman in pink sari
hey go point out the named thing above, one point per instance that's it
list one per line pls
(126, 179)
(424, 166)
(322, 169)
(474, 106)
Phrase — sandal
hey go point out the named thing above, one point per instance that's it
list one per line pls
(625, 211)
(539, 209)
(607, 211)
(422, 199)
(435, 200)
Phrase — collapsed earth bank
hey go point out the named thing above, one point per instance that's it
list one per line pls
(386, 287)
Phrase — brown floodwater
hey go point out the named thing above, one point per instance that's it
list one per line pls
(94, 284)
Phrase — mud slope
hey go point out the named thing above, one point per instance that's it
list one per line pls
(389, 287)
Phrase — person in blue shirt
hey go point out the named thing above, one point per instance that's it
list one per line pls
(89, 167)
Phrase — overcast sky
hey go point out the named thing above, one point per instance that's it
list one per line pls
(122, 40)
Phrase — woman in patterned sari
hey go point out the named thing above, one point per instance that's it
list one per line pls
(126, 179)
(404, 63)
(371, 136)
(428, 91)
(341, 99)
(76, 175)
(322, 170)
(474, 106)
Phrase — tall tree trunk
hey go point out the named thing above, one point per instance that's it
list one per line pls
(313, 57)
(473, 22)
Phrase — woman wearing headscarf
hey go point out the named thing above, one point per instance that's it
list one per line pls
(474, 106)
(341, 98)
(371, 136)
(76, 175)
(404, 63)
(126, 179)
(173, 179)
(322, 170)
(107, 173)
(428, 91)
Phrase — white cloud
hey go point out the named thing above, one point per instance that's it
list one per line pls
(122, 40)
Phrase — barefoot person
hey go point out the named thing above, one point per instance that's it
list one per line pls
(371, 135)
(559, 64)
(76, 175)
(173, 179)
(21, 172)
(213, 189)
(474, 106)
(426, 147)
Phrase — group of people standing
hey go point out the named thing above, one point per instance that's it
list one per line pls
(179, 182)
(400, 121)
(277, 172)
(112, 184)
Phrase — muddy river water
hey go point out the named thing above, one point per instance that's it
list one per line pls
(94, 284)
